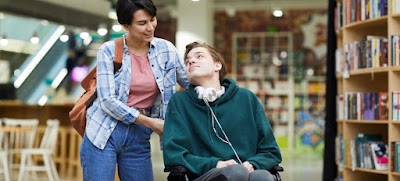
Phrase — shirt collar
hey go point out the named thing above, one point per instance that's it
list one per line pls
(152, 43)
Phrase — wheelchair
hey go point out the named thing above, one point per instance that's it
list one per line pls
(181, 173)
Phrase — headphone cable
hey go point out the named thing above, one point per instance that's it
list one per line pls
(223, 132)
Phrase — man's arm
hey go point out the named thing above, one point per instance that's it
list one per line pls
(268, 153)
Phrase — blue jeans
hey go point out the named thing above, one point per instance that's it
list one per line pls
(128, 146)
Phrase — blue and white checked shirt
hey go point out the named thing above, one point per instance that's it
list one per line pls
(112, 90)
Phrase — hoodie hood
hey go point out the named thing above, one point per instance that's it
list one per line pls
(230, 90)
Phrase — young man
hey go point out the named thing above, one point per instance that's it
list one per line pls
(215, 129)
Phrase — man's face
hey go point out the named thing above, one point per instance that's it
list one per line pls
(200, 64)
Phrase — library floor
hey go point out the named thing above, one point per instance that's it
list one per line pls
(297, 167)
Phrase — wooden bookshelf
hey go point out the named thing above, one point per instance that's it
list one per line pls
(367, 121)
(357, 169)
(395, 68)
(369, 23)
(376, 79)
(396, 16)
(369, 71)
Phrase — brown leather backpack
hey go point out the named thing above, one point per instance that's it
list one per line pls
(78, 112)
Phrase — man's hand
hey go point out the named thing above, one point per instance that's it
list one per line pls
(222, 164)
(249, 166)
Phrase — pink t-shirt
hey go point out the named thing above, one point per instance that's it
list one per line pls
(144, 88)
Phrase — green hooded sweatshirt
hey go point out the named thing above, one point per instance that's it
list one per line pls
(189, 139)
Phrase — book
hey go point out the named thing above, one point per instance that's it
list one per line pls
(340, 106)
(379, 155)
(383, 103)
(359, 150)
(397, 156)
(376, 106)
(368, 111)
(395, 105)
(352, 155)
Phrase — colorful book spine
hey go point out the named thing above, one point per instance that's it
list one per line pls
(395, 105)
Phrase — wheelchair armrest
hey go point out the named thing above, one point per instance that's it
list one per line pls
(276, 169)
(179, 173)
(176, 169)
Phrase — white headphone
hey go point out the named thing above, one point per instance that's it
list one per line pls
(209, 93)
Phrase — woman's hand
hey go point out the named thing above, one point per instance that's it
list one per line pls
(249, 166)
(158, 126)
(222, 164)
(155, 124)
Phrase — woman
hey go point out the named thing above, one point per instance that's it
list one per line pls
(119, 123)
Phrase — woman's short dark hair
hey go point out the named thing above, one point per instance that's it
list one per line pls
(217, 57)
(126, 8)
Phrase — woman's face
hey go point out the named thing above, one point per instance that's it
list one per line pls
(142, 27)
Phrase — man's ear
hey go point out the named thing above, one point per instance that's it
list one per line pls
(218, 66)
(126, 27)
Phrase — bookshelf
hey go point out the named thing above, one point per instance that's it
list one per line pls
(351, 26)
(262, 63)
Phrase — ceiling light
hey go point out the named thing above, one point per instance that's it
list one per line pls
(102, 29)
(64, 38)
(17, 72)
(276, 61)
(195, 0)
(35, 39)
(278, 13)
(45, 22)
(84, 34)
(112, 15)
(283, 54)
(310, 72)
(117, 28)
(87, 40)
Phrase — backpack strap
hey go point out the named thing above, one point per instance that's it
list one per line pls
(119, 50)
(119, 53)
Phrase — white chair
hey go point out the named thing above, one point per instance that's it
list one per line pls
(4, 159)
(21, 135)
(46, 150)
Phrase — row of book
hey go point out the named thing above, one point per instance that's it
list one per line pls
(366, 151)
(359, 10)
(370, 52)
(362, 106)
(395, 49)
(395, 6)
(338, 15)
(395, 154)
